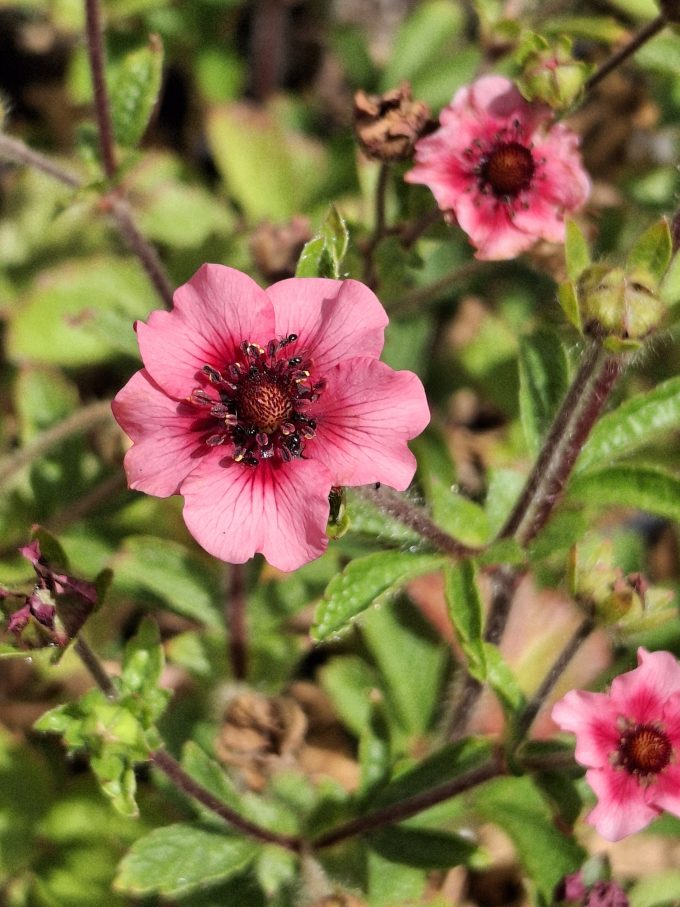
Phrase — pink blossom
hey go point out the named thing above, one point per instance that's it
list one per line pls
(254, 403)
(630, 740)
(498, 168)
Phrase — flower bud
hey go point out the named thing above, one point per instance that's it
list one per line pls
(619, 303)
(387, 126)
(550, 73)
(276, 247)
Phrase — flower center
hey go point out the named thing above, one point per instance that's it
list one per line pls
(644, 749)
(264, 402)
(508, 169)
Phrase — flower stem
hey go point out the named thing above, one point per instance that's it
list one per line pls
(370, 275)
(586, 413)
(575, 418)
(397, 506)
(145, 252)
(96, 668)
(504, 582)
(12, 149)
(187, 785)
(176, 774)
(533, 707)
(81, 420)
(97, 58)
(235, 614)
(411, 806)
(648, 31)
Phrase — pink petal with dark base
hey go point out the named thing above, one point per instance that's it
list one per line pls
(621, 809)
(665, 794)
(593, 719)
(166, 446)
(364, 419)
(279, 510)
(213, 313)
(642, 693)
(334, 319)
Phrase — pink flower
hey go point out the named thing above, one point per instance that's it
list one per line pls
(630, 740)
(497, 169)
(253, 403)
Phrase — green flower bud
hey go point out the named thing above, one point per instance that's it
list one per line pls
(619, 303)
(550, 73)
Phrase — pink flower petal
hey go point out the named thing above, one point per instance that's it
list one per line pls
(333, 319)
(490, 229)
(640, 694)
(564, 181)
(277, 509)
(213, 313)
(664, 792)
(591, 717)
(166, 444)
(364, 418)
(621, 808)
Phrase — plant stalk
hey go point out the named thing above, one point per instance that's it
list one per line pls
(397, 506)
(235, 614)
(97, 57)
(645, 34)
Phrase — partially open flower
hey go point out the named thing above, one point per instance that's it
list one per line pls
(387, 126)
(253, 404)
(630, 740)
(500, 169)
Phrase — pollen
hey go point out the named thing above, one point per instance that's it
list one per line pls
(508, 169)
(644, 749)
(264, 403)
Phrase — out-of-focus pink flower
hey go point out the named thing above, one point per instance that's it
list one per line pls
(253, 403)
(498, 168)
(630, 740)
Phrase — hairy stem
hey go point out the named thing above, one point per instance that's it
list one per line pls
(552, 482)
(187, 785)
(145, 252)
(648, 31)
(370, 276)
(82, 420)
(12, 149)
(504, 582)
(411, 806)
(235, 613)
(97, 57)
(397, 506)
(96, 668)
(533, 707)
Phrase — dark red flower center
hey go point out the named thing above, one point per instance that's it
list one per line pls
(264, 405)
(508, 169)
(644, 749)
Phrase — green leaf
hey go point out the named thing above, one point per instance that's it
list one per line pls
(576, 250)
(465, 609)
(669, 291)
(659, 888)
(177, 859)
(135, 90)
(502, 680)
(52, 323)
(270, 171)
(323, 255)
(641, 487)
(366, 581)
(635, 424)
(143, 662)
(391, 631)
(424, 36)
(392, 883)
(367, 519)
(568, 299)
(516, 806)
(444, 765)
(503, 490)
(349, 681)
(422, 848)
(543, 379)
(117, 780)
(180, 578)
(652, 252)
(275, 868)
(374, 749)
